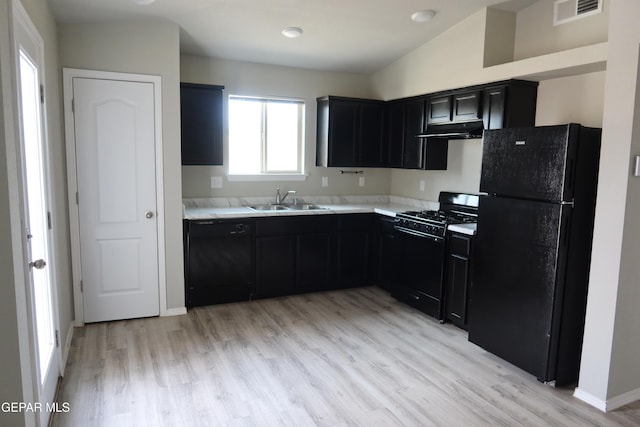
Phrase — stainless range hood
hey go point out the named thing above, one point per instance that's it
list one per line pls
(465, 130)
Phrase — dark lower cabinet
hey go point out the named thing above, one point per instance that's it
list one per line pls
(386, 257)
(354, 250)
(235, 260)
(313, 261)
(458, 279)
(294, 254)
(275, 266)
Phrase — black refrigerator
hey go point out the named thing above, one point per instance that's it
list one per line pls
(533, 247)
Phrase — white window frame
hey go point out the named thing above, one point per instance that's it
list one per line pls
(298, 175)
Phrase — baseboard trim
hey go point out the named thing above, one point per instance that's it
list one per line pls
(609, 404)
(178, 311)
(67, 347)
(623, 399)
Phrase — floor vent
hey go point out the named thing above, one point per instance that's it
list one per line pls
(569, 10)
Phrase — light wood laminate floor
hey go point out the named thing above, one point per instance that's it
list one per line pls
(345, 358)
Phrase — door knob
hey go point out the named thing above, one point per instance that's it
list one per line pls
(148, 214)
(37, 264)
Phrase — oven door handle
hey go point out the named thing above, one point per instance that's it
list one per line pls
(416, 234)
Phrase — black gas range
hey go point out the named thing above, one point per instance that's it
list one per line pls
(455, 208)
(422, 243)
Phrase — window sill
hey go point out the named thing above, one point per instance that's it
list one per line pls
(268, 177)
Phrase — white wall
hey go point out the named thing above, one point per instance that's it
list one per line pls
(144, 48)
(243, 78)
(575, 99)
(536, 35)
(609, 369)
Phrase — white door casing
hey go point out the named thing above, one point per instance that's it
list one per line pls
(36, 230)
(114, 162)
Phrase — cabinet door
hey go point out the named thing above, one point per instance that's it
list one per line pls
(494, 99)
(458, 278)
(439, 110)
(313, 262)
(275, 266)
(395, 134)
(343, 133)
(457, 289)
(466, 106)
(201, 124)
(413, 152)
(353, 258)
(386, 261)
(371, 135)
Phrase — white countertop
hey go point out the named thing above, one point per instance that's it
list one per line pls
(388, 209)
(468, 228)
(220, 208)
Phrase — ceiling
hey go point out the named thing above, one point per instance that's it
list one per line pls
(359, 36)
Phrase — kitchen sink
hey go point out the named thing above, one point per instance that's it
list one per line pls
(268, 207)
(287, 207)
(305, 207)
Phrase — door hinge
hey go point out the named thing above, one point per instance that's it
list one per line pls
(49, 221)
(73, 105)
(57, 338)
(81, 286)
(77, 199)
(42, 94)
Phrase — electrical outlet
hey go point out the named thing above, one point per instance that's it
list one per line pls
(422, 185)
(216, 182)
(361, 181)
(325, 181)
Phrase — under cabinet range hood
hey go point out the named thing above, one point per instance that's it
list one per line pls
(464, 130)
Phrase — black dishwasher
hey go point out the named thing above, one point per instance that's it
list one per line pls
(218, 261)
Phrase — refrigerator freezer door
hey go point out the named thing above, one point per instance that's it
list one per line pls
(518, 275)
(531, 163)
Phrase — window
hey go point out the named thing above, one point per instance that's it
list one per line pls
(265, 136)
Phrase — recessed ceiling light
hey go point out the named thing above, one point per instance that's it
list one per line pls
(143, 2)
(423, 15)
(292, 32)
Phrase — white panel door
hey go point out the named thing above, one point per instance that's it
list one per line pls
(116, 175)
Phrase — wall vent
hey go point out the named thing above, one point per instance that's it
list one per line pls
(569, 10)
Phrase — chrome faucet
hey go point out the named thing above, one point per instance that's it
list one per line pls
(280, 199)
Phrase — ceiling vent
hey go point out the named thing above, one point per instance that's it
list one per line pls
(569, 10)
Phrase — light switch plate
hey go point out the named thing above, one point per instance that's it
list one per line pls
(325, 181)
(216, 182)
(421, 185)
(361, 181)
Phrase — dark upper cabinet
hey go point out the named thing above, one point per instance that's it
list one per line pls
(466, 106)
(511, 104)
(406, 120)
(371, 147)
(201, 124)
(459, 106)
(350, 132)
(361, 132)
(439, 110)
(394, 134)
(413, 155)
